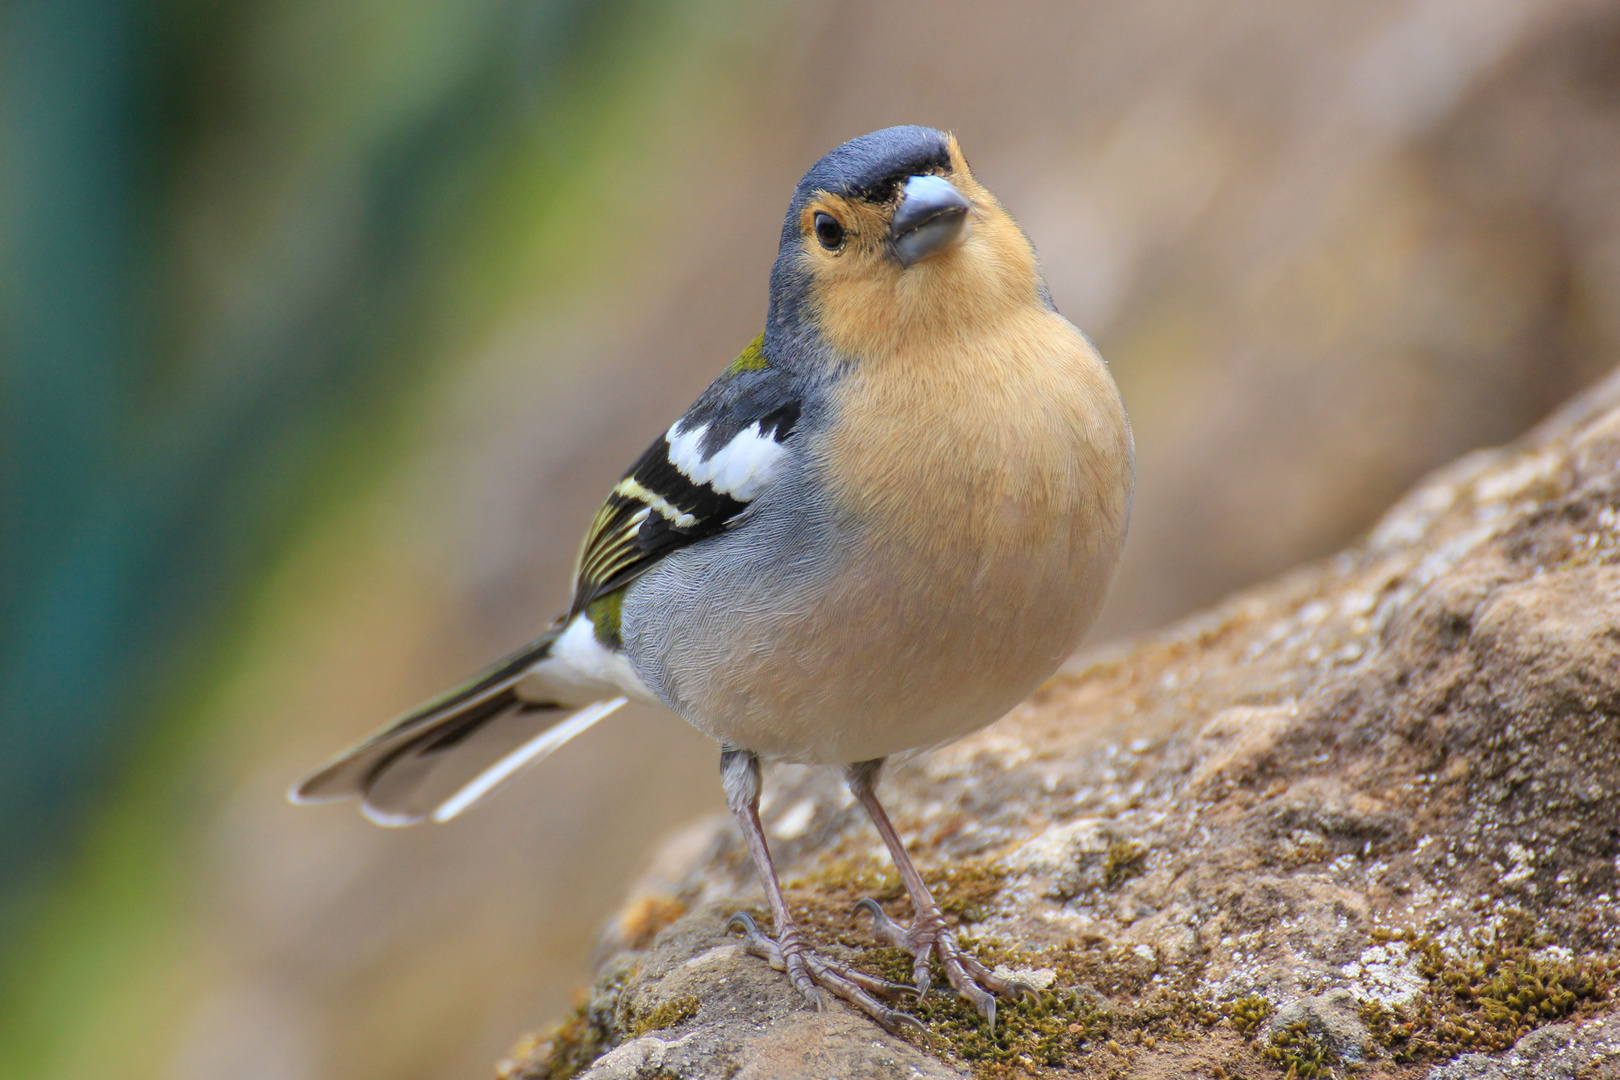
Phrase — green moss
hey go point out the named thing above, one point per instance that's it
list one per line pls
(1388, 1027)
(1485, 994)
(1300, 1052)
(752, 358)
(1072, 1027)
(1248, 1014)
(567, 1049)
(1125, 860)
(850, 878)
(596, 1025)
(1050, 1031)
(667, 1015)
(966, 892)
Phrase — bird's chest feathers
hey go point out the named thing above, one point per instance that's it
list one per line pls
(979, 459)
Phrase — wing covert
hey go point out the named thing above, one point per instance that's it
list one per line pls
(695, 481)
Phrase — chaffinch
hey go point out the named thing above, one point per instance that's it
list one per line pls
(884, 524)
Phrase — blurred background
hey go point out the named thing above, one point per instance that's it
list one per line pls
(325, 324)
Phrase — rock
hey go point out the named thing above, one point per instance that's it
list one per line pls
(694, 1006)
(1363, 816)
(1581, 1051)
(1333, 1019)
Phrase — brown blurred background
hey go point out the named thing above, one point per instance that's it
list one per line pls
(1324, 247)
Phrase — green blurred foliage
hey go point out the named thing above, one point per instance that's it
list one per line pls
(236, 241)
(230, 241)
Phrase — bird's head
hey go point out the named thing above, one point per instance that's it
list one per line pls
(890, 243)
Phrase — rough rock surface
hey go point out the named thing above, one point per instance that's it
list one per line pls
(1363, 819)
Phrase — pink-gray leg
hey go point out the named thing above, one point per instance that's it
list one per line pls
(928, 936)
(788, 951)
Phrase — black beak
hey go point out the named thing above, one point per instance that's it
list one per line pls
(931, 217)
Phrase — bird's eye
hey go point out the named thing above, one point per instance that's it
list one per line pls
(828, 232)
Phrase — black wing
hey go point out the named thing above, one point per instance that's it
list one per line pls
(671, 496)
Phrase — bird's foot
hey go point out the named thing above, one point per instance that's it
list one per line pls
(929, 937)
(812, 973)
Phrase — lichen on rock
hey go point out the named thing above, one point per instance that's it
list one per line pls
(1362, 819)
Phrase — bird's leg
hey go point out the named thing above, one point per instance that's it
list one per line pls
(928, 935)
(788, 951)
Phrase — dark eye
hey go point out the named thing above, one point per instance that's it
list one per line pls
(828, 231)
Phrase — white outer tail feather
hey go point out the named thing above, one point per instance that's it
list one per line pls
(530, 752)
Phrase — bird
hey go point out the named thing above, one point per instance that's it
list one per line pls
(883, 525)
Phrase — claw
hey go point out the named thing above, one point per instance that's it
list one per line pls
(922, 974)
(894, 1019)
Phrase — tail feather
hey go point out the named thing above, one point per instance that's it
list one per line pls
(535, 749)
(407, 772)
(423, 781)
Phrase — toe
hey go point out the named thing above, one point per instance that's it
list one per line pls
(978, 983)
(982, 999)
(755, 943)
(996, 984)
(874, 985)
(851, 985)
(884, 928)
